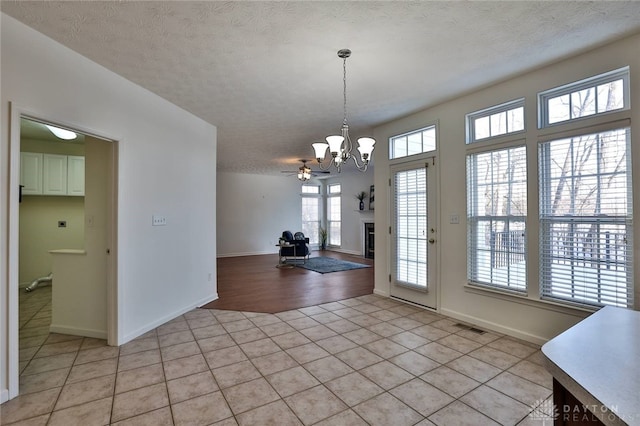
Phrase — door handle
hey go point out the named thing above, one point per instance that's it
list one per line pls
(432, 240)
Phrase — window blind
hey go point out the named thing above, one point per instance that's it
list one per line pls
(334, 221)
(311, 218)
(411, 228)
(497, 209)
(586, 221)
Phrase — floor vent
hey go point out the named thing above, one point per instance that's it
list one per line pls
(467, 327)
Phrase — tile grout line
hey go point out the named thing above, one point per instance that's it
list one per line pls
(308, 315)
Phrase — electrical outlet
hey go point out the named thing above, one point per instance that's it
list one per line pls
(157, 220)
(454, 218)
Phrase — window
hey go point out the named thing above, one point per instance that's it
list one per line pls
(596, 95)
(418, 142)
(586, 219)
(497, 210)
(495, 121)
(334, 214)
(311, 213)
(310, 189)
(410, 188)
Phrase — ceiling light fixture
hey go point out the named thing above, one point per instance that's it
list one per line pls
(62, 133)
(340, 146)
(304, 172)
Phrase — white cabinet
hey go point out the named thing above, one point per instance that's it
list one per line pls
(54, 173)
(31, 173)
(51, 174)
(75, 175)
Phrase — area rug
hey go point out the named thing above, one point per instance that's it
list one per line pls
(324, 265)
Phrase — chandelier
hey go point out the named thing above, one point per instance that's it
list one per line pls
(340, 146)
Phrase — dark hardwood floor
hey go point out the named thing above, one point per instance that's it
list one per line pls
(254, 284)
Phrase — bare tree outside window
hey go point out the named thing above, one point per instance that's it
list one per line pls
(497, 209)
(585, 215)
(588, 100)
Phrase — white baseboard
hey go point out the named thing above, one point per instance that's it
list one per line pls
(248, 253)
(75, 331)
(488, 325)
(168, 317)
(353, 252)
(381, 293)
(313, 250)
(482, 324)
(4, 395)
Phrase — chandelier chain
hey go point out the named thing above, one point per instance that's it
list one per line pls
(344, 88)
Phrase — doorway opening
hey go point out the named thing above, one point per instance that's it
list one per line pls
(62, 226)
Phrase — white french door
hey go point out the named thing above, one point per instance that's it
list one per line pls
(414, 233)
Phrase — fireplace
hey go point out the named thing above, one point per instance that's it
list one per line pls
(369, 240)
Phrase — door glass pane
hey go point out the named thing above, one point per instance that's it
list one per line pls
(411, 228)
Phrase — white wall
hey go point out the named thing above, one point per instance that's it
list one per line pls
(353, 182)
(529, 318)
(253, 211)
(166, 165)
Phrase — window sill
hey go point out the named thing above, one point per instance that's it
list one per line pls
(524, 299)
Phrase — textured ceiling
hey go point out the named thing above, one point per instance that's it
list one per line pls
(267, 74)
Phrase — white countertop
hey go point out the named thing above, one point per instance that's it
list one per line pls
(598, 361)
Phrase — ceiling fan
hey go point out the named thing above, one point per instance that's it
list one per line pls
(305, 173)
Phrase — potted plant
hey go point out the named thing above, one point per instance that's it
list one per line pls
(361, 196)
(323, 238)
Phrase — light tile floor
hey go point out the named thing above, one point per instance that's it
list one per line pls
(367, 360)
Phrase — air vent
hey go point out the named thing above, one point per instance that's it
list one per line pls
(466, 327)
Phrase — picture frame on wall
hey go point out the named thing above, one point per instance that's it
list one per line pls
(371, 199)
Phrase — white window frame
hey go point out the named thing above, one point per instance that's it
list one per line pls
(506, 268)
(410, 234)
(574, 87)
(311, 192)
(584, 258)
(424, 148)
(334, 240)
(471, 118)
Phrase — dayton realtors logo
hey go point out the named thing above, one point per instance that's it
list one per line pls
(546, 412)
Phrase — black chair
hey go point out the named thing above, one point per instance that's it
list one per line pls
(294, 246)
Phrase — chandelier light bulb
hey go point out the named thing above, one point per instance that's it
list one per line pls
(320, 149)
(335, 143)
